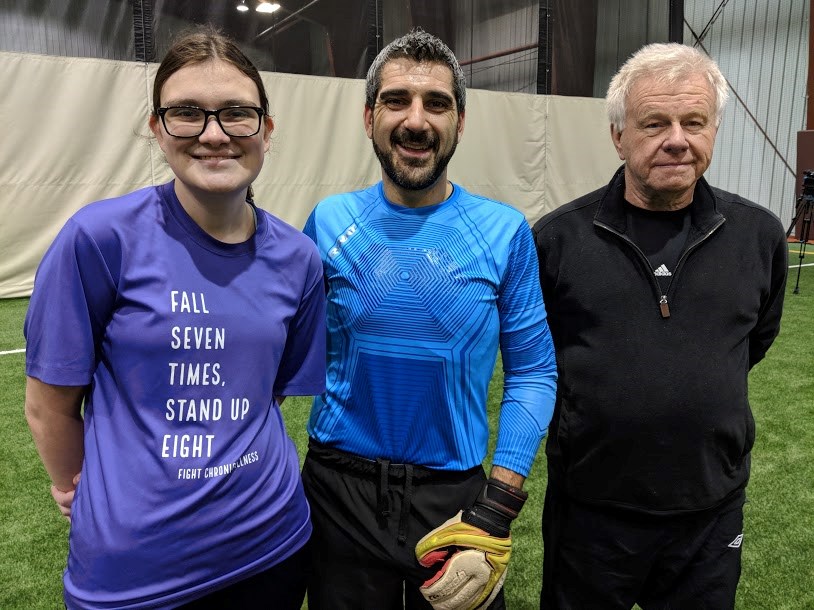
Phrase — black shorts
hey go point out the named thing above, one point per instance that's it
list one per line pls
(281, 587)
(367, 517)
(608, 559)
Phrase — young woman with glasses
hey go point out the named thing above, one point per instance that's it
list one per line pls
(164, 328)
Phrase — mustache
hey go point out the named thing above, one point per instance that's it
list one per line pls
(421, 138)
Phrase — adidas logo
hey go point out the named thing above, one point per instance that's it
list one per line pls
(736, 543)
(663, 271)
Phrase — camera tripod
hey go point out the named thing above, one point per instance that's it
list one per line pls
(804, 210)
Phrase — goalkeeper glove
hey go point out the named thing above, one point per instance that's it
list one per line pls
(475, 546)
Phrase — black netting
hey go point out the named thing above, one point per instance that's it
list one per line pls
(534, 46)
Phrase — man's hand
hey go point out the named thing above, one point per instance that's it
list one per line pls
(474, 546)
(474, 565)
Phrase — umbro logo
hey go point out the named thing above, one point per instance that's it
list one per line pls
(736, 543)
(663, 271)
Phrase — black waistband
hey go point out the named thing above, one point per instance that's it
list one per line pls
(384, 472)
(356, 464)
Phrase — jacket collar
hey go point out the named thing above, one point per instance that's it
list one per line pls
(611, 212)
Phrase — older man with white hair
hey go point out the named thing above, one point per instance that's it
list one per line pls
(662, 293)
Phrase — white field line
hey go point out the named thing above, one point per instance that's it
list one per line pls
(790, 267)
(12, 351)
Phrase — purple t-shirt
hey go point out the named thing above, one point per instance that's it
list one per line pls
(190, 481)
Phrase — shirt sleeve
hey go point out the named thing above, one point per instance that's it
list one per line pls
(72, 302)
(310, 228)
(302, 366)
(529, 366)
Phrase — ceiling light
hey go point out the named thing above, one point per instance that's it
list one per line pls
(242, 6)
(267, 7)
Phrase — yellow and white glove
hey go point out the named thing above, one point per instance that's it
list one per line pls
(474, 546)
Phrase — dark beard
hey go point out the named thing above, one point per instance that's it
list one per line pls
(411, 181)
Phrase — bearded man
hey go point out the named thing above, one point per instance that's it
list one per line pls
(424, 281)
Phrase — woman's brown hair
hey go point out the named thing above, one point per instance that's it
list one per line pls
(198, 45)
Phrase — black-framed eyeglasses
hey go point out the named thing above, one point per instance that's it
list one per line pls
(190, 121)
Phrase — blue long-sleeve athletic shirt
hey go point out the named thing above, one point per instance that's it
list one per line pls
(419, 299)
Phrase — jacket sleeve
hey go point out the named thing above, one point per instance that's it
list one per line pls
(768, 323)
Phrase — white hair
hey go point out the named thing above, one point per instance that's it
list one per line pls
(668, 63)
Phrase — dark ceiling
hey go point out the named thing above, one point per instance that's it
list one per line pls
(323, 37)
(302, 37)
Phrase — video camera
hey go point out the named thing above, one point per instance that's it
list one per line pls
(803, 214)
(808, 183)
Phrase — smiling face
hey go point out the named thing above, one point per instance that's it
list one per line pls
(667, 141)
(212, 164)
(415, 126)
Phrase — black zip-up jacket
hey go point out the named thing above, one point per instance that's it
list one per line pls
(652, 411)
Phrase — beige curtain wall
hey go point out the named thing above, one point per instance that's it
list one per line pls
(76, 131)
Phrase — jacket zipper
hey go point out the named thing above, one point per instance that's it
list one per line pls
(664, 305)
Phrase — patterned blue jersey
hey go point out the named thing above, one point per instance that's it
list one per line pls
(419, 299)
